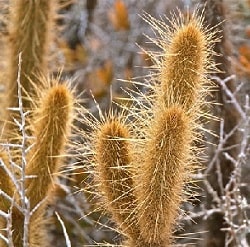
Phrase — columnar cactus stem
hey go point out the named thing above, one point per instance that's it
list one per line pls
(113, 158)
(171, 132)
(31, 22)
(162, 174)
(30, 25)
(182, 68)
(163, 153)
(51, 127)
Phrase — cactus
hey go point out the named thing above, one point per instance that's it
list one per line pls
(51, 127)
(141, 167)
(185, 62)
(163, 154)
(113, 161)
(28, 188)
(53, 121)
(29, 34)
(30, 27)
(162, 173)
(172, 130)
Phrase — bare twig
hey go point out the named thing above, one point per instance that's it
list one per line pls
(67, 240)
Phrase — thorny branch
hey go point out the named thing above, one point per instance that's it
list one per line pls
(19, 183)
(232, 204)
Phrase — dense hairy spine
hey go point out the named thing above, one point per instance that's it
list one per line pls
(163, 173)
(38, 234)
(165, 124)
(51, 127)
(30, 26)
(113, 158)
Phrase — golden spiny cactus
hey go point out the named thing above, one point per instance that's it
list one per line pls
(30, 26)
(33, 173)
(113, 161)
(162, 173)
(184, 63)
(142, 182)
(171, 131)
(163, 154)
(52, 122)
(51, 127)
